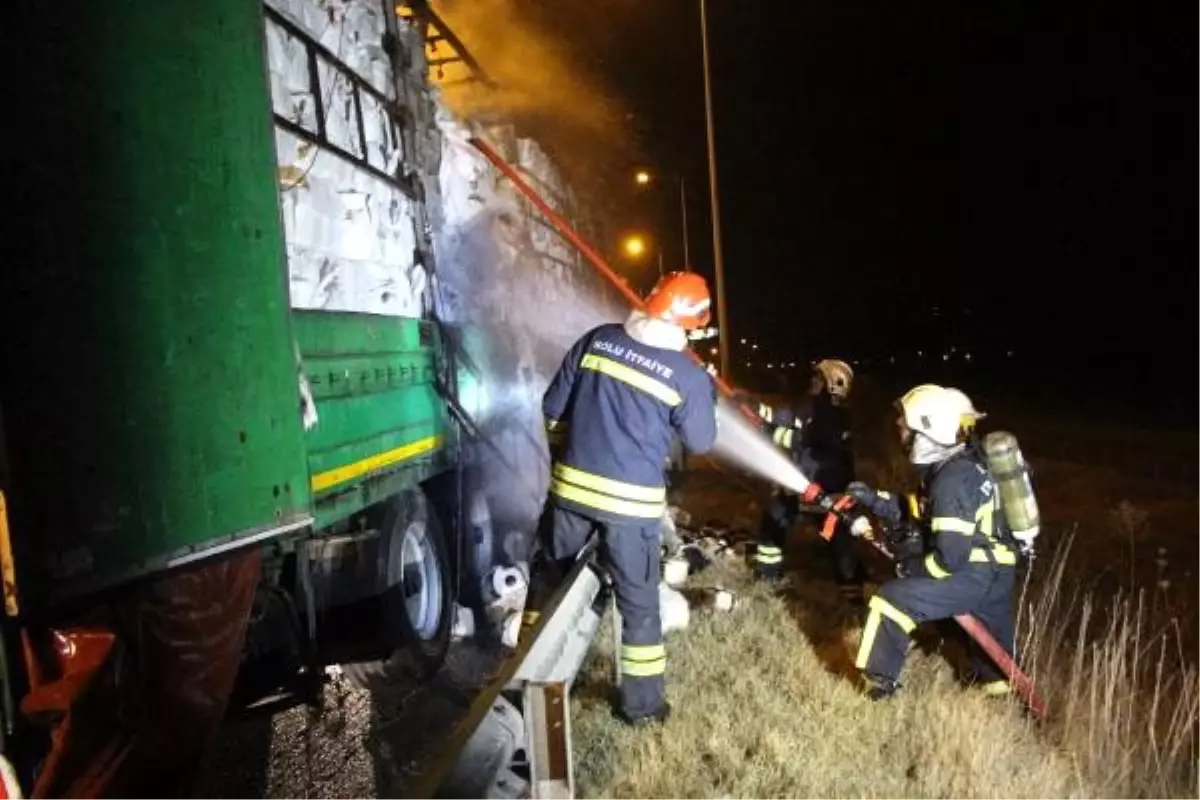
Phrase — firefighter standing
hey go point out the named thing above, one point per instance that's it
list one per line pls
(621, 395)
(818, 439)
(970, 565)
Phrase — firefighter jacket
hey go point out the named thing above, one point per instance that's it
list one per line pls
(612, 410)
(957, 508)
(817, 436)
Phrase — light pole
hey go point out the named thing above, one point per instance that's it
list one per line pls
(687, 261)
(718, 263)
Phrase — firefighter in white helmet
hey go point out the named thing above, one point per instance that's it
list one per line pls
(817, 436)
(969, 565)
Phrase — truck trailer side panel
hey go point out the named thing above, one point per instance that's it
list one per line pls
(150, 390)
(381, 419)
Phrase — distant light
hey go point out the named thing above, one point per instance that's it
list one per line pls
(749, 364)
(743, 341)
(753, 347)
(770, 366)
(920, 353)
(967, 356)
(945, 356)
(634, 246)
(642, 177)
(792, 364)
(951, 349)
(891, 359)
(713, 351)
(1010, 352)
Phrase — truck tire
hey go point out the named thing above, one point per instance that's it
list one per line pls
(416, 596)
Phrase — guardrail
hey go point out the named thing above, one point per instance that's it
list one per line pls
(522, 718)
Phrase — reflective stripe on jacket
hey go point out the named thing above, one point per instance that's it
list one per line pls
(615, 405)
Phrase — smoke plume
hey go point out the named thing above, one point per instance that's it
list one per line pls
(547, 86)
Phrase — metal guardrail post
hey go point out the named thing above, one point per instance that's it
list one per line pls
(545, 677)
(548, 727)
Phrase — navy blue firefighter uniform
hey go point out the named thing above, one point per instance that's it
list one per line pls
(818, 440)
(616, 404)
(968, 566)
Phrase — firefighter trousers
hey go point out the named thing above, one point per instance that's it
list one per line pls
(630, 552)
(780, 515)
(984, 590)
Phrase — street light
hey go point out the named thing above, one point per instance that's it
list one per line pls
(642, 177)
(635, 246)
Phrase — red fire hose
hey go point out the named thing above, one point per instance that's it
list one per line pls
(1021, 683)
(571, 235)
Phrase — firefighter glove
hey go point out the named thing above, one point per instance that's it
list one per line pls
(862, 493)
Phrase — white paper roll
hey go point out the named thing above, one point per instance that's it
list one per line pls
(675, 571)
(512, 629)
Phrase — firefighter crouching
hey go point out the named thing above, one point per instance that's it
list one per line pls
(620, 396)
(817, 436)
(969, 566)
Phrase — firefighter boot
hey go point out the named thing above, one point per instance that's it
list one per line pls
(881, 688)
(661, 715)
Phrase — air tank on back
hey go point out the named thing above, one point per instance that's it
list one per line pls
(1011, 473)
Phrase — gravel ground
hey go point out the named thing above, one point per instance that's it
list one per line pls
(370, 743)
(359, 743)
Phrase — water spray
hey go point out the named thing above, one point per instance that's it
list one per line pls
(739, 439)
(740, 442)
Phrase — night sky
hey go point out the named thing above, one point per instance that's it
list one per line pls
(1024, 174)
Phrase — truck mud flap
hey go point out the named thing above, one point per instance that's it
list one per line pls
(133, 702)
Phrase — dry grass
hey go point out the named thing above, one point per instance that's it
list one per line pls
(767, 703)
(1124, 694)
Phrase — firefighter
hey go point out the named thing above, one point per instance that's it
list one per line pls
(969, 563)
(621, 395)
(818, 438)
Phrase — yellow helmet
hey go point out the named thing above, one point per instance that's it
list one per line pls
(837, 376)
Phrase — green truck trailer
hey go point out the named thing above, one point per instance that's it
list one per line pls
(170, 518)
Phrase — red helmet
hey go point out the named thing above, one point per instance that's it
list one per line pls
(681, 298)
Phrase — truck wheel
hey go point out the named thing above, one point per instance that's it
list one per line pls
(415, 593)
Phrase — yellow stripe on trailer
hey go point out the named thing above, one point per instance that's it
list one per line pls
(330, 478)
(8, 570)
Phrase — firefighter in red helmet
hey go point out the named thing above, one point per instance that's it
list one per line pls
(622, 394)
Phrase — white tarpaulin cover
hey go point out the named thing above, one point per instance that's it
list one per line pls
(350, 236)
(508, 286)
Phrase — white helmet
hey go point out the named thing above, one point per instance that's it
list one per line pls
(934, 415)
(837, 376)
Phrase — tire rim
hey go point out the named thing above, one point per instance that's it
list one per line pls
(421, 581)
